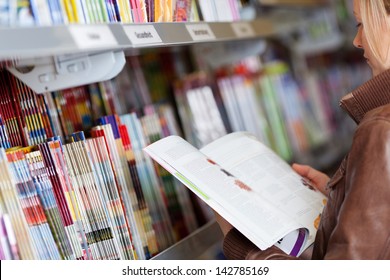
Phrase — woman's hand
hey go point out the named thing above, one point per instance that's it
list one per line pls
(223, 224)
(313, 177)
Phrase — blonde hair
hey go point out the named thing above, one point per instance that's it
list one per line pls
(376, 20)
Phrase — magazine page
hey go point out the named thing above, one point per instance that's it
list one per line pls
(257, 218)
(268, 176)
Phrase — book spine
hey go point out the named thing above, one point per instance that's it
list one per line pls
(5, 13)
(55, 12)
(182, 10)
(279, 140)
(150, 184)
(19, 124)
(63, 10)
(71, 15)
(149, 4)
(117, 10)
(41, 12)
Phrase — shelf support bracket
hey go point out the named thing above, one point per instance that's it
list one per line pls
(61, 72)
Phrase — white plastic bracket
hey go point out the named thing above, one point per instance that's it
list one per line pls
(61, 72)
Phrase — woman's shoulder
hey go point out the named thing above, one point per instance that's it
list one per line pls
(374, 129)
(380, 114)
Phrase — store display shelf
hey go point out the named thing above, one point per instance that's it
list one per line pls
(195, 246)
(30, 42)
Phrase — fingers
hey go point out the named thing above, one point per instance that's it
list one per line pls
(316, 178)
(308, 172)
(304, 170)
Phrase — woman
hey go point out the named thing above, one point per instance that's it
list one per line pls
(355, 223)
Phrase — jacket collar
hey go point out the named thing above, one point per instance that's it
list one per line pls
(370, 95)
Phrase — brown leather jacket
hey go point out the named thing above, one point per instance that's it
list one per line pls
(355, 223)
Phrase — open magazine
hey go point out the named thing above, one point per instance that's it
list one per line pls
(249, 185)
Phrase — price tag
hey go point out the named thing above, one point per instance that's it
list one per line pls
(243, 29)
(142, 34)
(89, 36)
(200, 32)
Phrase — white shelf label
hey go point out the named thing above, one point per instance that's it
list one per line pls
(142, 34)
(200, 32)
(89, 36)
(243, 29)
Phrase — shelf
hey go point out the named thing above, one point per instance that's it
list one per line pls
(195, 245)
(293, 2)
(83, 48)
(313, 47)
(31, 42)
